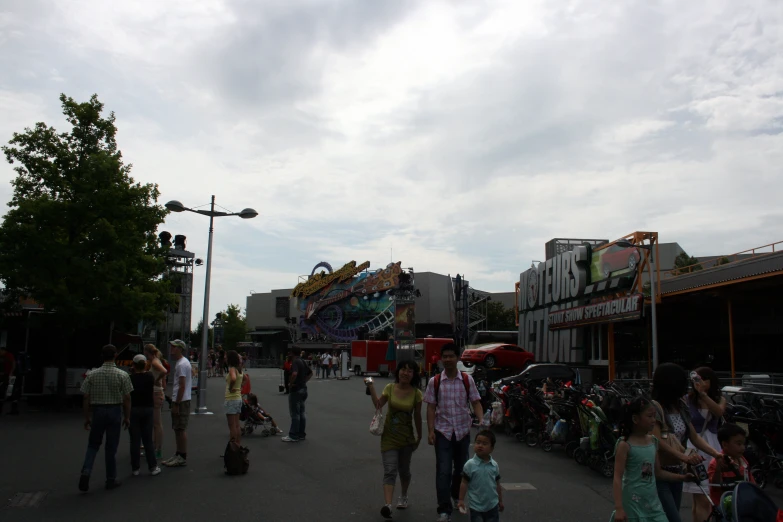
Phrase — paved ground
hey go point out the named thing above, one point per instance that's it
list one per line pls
(333, 476)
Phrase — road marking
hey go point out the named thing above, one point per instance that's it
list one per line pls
(516, 486)
(27, 499)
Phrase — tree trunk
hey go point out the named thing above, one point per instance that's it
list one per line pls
(62, 373)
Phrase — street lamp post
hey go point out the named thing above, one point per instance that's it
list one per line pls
(628, 244)
(248, 213)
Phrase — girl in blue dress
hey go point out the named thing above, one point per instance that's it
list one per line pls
(636, 467)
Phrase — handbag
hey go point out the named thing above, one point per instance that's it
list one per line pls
(669, 438)
(376, 425)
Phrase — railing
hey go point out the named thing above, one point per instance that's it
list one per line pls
(719, 262)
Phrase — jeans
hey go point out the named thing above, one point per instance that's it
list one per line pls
(493, 515)
(141, 424)
(450, 457)
(105, 420)
(670, 495)
(296, 407)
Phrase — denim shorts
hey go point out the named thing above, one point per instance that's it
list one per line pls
(233, 407)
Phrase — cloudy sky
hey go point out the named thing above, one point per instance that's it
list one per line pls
(462, 135)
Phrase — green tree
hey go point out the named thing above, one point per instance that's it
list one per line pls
(234, 327)
(684, 260)
(722, 261)
(80, 235)
(195, 335)
(499, 317)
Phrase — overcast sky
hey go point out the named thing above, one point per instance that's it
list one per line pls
(462, 135)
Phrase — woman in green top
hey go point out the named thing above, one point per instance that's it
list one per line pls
(398, 441)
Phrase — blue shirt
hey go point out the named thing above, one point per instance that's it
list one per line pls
(482, 480)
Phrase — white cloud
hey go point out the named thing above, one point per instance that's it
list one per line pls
(462, 135)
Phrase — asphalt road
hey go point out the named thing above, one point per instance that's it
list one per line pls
(335, 475)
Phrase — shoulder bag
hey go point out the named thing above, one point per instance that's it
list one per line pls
(376, 425)
(669, 438)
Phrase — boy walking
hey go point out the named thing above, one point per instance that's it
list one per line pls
(481, 482)
(731, 468)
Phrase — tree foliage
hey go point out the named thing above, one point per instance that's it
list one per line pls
(234, 327)
(80, 235)
(499, 317)
(684, 260)
(195, 335)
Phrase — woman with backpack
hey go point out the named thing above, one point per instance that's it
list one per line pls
(398, 440)
(674, 428)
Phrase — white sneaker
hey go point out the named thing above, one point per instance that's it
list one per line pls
(289, 439)
(135, 473)
(168, 460)
(156, 471)
(176, 462)
(402, 502)
(443, 517)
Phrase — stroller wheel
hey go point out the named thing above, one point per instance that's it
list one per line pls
(607, 470)
(272, 432)
(531, 439)
(759, 475)
(546, 446)
(520, 437)
(580, 456)
(264, 433)
(570, 448)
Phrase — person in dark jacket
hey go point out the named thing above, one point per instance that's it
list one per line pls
(142, 415)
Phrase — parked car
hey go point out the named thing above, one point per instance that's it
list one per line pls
(498, 356)
(540, 372)
(617, 258)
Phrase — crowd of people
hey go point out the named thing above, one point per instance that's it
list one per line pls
(666, 440)
(114, 399)
(662, 443)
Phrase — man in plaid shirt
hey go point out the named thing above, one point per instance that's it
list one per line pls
(107, 393)
(449, 422)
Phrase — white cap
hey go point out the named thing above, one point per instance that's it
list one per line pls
(139, 358)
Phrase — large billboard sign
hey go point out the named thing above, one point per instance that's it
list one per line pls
(555, 293)
(340, 304)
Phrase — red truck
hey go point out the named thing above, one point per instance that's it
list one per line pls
(370, 356)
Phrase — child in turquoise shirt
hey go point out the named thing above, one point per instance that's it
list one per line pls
(481, 482)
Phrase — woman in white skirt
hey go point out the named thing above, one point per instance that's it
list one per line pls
(707, 406)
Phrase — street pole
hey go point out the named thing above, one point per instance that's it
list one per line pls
(202, 361)
(654, 295)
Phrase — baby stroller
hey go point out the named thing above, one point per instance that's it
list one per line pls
(253, 423)
(746, 503)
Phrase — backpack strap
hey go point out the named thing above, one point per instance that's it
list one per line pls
(465, 381)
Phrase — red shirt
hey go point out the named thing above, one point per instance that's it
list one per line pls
(8, 363)
(245, 385)
(728, 478)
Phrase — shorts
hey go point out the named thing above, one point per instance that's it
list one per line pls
(233, 407)
(180, 421)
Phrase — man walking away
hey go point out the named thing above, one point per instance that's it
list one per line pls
(107, 392)
(180, 405)
(142, 415)
(7, 367)
(449, 396)
(300, 374)
(328, 364)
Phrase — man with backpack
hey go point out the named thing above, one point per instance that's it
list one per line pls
(449, 397)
